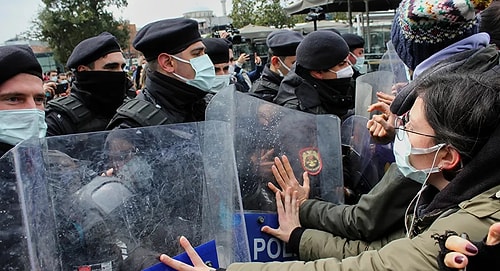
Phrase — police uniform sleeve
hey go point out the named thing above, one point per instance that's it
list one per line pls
(377, 213)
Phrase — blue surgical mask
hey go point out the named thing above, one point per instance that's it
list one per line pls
(346, 72)
(220, 82)
(402, 150)
(360, 61)
(205, 72)
(20, 124)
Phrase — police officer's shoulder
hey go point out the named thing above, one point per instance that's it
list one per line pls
(70, 106)
(141, 112)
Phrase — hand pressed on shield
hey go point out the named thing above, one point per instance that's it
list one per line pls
(198, 263)
(283, 173)
(288, 215)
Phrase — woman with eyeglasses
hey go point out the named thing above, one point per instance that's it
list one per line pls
(449, 142)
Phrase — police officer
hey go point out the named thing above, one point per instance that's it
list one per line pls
(356, 55)
(99, 89)
(218, 51)
(21, 117)
(321, 80)
(179, 75)
(282, 45)
(22, 96)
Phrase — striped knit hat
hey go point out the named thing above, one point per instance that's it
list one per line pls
(422, 27)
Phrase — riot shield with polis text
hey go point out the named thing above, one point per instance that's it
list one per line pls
(128, 201)
(264, 130)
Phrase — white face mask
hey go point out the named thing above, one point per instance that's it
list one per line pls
(20, 124)
(204, 69)
(346, 72)
(402, 150)
(284, 66)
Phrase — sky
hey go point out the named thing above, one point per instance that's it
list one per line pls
(16, 15)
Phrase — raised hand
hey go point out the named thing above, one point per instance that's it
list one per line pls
(381, 126)
(198, 263)
(288, 215)
(283, 173)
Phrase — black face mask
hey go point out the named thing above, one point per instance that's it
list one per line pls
(336, 86)
(335, 95)
(105, 90)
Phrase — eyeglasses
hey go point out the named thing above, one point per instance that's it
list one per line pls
(400, 124)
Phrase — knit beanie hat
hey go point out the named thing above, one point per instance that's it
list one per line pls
(422, 27)
(321, 50)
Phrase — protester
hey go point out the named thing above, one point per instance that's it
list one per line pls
(243, 77)
(452, 163)
(490, 22)
(179, 75)
(423, 34)
(98, 90)
(282, 45)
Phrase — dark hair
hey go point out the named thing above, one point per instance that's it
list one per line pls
(462, 108)
(490, 22)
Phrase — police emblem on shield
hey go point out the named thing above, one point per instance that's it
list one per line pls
(311, 160)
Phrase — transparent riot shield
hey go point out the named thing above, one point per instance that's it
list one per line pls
(363, 159)
(391, 62)
(367, 86)
(130, 199)
(262, 131)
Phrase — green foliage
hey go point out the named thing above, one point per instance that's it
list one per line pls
(64, 23)
(243, 13)
(271, 13)
(260, 12)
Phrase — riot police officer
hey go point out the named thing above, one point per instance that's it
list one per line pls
(320, 83)
(218, 51)
(179, 75)
(99, 89)
(356, 55)
(22, 95)
(282, 46)
(21, 117)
